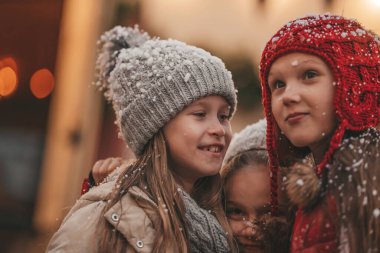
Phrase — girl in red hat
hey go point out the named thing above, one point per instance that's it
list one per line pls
(321, 92)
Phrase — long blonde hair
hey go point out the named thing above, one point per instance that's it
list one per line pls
(151, 170)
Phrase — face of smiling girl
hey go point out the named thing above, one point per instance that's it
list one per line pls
(198, 138)
(302, 100)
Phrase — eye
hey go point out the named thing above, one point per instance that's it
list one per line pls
(310, 74)
(199, 114)
(264, 210)
(234, 213)
(224, 117)
(277, 85)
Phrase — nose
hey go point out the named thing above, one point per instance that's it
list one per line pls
(249, 229)
(291, 94)
(216, 128)
(248, 232)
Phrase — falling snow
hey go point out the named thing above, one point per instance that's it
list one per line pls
(294, 63)
(376, 212)
(300, 182)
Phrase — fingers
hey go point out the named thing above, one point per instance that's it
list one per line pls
(103, 168)
(97, 170)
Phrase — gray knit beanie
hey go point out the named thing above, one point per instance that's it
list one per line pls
(149, 81)
(252, 137)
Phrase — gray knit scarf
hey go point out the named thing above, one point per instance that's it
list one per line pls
(204, 231)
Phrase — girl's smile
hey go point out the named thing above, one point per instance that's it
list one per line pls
(197, 139)
(295, 117)
(302, 100)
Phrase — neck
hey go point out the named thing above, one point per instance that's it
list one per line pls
(186, 183)
(319, 149)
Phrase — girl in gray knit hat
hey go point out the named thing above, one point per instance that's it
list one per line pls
(245, 176)
(246, 180)
(173, 104)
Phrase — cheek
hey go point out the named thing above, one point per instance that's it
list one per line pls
(228, 136)
(330, 121)
(276, 109)
(328, 115)
(236, 227)
(189, 131)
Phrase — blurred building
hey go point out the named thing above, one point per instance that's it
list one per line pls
(54, 124)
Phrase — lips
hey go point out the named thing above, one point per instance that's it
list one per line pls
(251, 247)
(295, 117)
(255, 245)
(214, 148)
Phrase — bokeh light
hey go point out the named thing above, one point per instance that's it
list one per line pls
(8, 81)
(9, 62)
(376, 2)
(42, 83)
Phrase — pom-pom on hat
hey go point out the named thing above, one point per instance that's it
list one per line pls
(252, 137)
(353, 55)
(149, 81)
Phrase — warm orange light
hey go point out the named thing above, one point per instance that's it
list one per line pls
(42, 83)
(8, 81)
(8, 62)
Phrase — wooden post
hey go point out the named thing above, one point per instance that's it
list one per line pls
(75, 112)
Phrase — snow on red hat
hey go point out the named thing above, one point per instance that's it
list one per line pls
(353, 55)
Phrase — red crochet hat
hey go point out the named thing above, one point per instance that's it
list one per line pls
(353, 55)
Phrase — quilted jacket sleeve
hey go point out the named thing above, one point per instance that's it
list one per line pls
(355, 177)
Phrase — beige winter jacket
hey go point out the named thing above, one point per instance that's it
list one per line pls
(133, 216)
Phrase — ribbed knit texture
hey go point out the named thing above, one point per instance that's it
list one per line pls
(205, 233)
(149, 81)
(252, 137)
(353, 55)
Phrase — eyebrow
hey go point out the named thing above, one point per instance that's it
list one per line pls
(309, 60)
(235, 204)
(300, 62)
(264, 207)
(204, 104)
(198, 102)
(260, 209)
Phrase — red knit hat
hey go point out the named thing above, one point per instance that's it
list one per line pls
(353, 55)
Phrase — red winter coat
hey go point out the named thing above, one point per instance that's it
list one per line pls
(348, 217)
(314, 231)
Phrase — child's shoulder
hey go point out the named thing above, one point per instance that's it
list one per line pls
(134, 216)
(355, 140)
(103, 191)
(359, 147)
(106, 190)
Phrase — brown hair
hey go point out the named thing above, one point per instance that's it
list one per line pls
(245, 158)
(151, 170)
(240, 160)
(276, 230)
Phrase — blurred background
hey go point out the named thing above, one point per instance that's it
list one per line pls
(53, 123)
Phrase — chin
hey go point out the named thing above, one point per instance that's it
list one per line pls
(207, 172)
(212, 173)
(299, 141)
(300, 144)
(213, 169)
(250, 249)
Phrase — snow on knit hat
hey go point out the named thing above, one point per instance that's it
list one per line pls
(149, 80)
(352, 54)
(252, 137)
